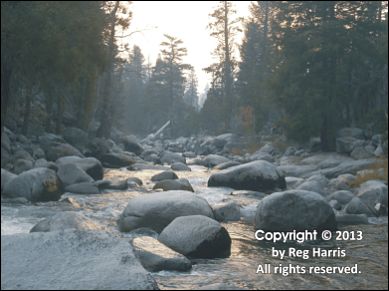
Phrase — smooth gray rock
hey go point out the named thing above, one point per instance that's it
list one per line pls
(348, 167)
(178, 184)
(259, 176)
(39, 184)
(6, 177)
(180, 167)
(262, 156)
(297, 170)
(155, 256)
(316, 183)
(373, 193)
(293, 182)
(342, 196)
(171, 158)
(135, 180)
(157, 210)
(112, 185)
(22, 165)
(211, 161)
(362, 152)
(146, 166)
(335, 204)
(70, 174)
(56, 151)
(23, 155)
(197, 236)
(91, 166)
(132, 145)
(345, 145)
(294, 209)
(342, 182)
(351, 219)
(83, 188)
(226, 165)
(117, 160)
(66, 220)
(356, 206)
(165, 175)
(71, 260)
(227, 211)
(76, 137)
(43, 163)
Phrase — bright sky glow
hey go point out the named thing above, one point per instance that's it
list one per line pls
(187, 20)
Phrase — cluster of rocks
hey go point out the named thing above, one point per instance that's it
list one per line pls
(293, 189)
(360, 144)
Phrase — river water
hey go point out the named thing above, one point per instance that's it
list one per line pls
(237, 271)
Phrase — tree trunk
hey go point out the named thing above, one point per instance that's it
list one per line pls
(27, 110)
(106, 117)
(60, 111)
(227, 67)
(6, 73)
(88, 106)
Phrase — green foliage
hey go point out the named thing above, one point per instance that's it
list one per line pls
(54, 47)
(323, 65)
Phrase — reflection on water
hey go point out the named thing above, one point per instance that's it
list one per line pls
(240, 269)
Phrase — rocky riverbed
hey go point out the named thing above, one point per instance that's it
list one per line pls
(181, 214)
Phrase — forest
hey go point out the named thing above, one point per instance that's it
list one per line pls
(306, 68)
(145, 144)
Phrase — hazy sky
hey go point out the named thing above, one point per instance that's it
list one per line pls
(187, 20)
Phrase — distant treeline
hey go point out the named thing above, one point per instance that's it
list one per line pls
(307, 68)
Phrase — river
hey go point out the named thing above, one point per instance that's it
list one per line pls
(237, 271)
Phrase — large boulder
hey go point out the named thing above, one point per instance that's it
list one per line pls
(171, 158)
(117, 160)
(65, 220)
(356, 206)
(375, 195)
(197, 236)
(342, 196)
(6, 177)
(178, 184)
(70, 174)
(226, 165)
(180, 167)
(345, 145)
(56, 151)
(211, 161)
(259, 176)
(157, 210)
(40, 184)
(155, 256)
(91, 166)
(351, 219)
(316, 183)
(294, 210)
(76, 137)
(22, 165)
(72, 260)
(165, 175)
(227, 211)
(132, 145)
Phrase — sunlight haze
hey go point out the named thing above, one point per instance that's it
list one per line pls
(187, 20)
